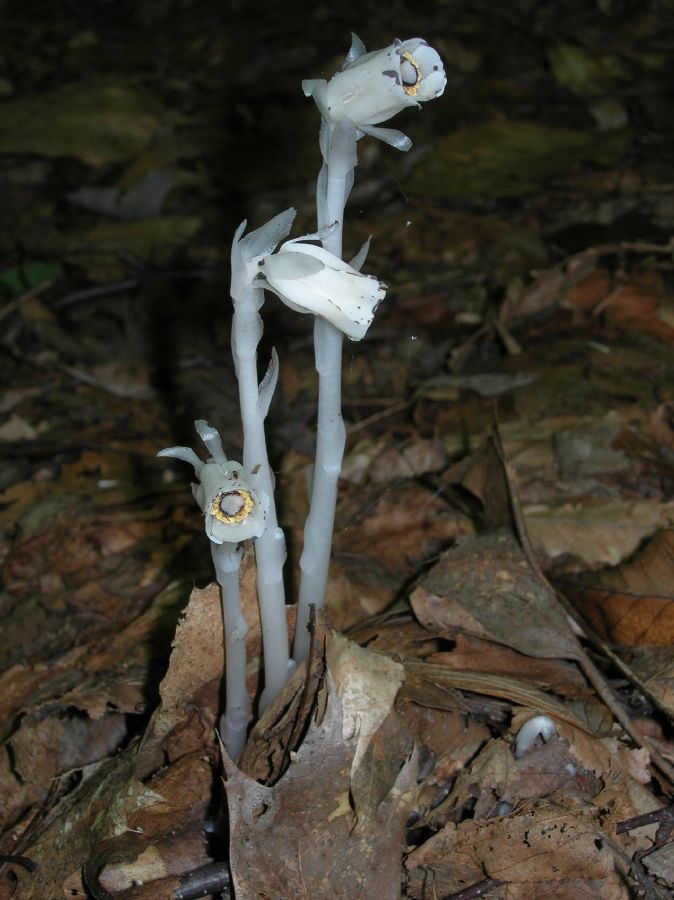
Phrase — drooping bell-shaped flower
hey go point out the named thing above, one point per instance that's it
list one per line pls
(232, 510)
(310, 279)
(373, 87)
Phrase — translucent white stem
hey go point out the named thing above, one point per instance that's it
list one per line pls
(339, 150)
(270, 550)
(234, 721)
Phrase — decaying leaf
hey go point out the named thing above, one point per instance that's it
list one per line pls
(543, 841)
(485, 586)
(309, 835)
(633, 604)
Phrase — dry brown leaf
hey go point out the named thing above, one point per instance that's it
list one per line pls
(632, 604)
(452, 737)
(355, 593)
(97, 809)
(543, 839)
(484, 585)
(377, 461)
(113, 816)
(654, 667)
(195, 673)
(496, 776)
(597, 533)
(593, 718)
(635, 306)
(398, 528)
(471, 654)
(166, 837)
(395, 633)
(302, 837)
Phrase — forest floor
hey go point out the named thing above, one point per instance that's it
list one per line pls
(504, 543)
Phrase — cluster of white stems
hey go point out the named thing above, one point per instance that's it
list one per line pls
(237, 499)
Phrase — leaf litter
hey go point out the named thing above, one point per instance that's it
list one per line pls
(477, 584)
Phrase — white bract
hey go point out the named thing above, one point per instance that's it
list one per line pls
(373, 87)
(309, 279)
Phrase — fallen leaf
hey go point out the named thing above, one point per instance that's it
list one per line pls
(485, 586)
(302, 837)
(541, 841)
(632, 604)
(477, 655)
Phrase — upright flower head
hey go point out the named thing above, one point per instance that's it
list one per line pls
(373, 87)
(310, 279)
(232, 510)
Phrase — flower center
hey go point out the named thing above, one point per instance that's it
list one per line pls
(410, 73)
(231, 507)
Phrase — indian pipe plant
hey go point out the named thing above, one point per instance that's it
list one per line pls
(309, 275)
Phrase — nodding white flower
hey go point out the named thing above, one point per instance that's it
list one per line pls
(310, 279)
(373, 87)
(232, 510)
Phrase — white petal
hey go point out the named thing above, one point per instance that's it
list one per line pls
(391, 136)
(318, 89)
(309, 279)
(324, 256)
(433, 79)
(373, 87)
(369, 90)
(291, 266)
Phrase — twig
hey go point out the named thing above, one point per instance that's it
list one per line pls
(378, 416)
(664, 816)
(15, 304)
(99, 290)
(24, 861)
(204, 881)
(476, 890)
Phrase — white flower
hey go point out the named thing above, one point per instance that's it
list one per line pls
(232, 510)
(310, 279)
(373, 87)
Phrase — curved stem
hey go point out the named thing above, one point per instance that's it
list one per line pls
(234, 721)
(339, 150)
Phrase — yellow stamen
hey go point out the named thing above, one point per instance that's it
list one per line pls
(244, 510)
(411, 89)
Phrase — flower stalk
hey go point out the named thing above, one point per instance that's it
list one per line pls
(338, 144)
(254, 400)
(370, 88)
(234, 720)
(233, 512)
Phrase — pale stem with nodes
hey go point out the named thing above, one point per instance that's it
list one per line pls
(233, 513)
(338, 144)
(370, 88)
(254, 400)
(234, 721)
